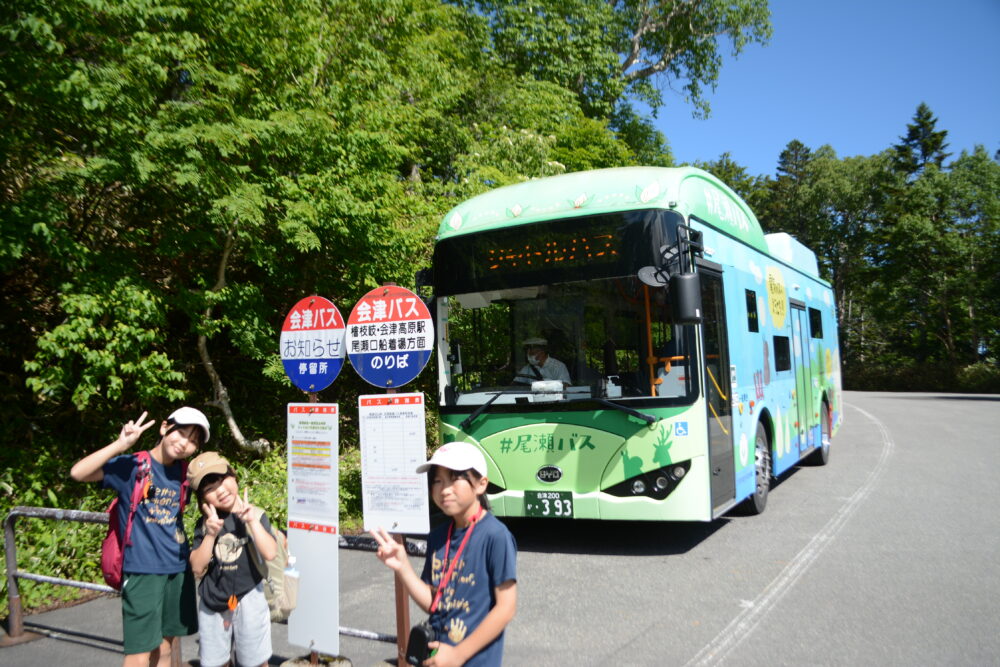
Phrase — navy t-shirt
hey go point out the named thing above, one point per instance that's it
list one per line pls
(159, 545)
(489, 559)
(231, 570)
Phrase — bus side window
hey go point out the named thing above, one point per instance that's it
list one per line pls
(752, 311)
(782, 354)
(815, 323)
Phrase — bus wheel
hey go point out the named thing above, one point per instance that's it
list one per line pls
(822, 455)
(756, 503)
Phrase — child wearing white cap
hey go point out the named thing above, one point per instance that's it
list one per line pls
(469, 580)
(158, 596)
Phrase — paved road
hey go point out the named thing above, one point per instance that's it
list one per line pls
(886, 556)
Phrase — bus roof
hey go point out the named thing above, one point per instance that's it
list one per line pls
(688, 190)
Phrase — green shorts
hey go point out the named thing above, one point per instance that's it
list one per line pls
(155, 606)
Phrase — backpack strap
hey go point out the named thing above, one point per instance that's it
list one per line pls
(255, 556)
(185, 487)
(142, 474)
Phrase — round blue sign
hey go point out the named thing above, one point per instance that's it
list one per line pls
(390, 336)
(312, 344)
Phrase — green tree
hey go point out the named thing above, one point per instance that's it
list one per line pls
(974, 211)
(735, 175)
(606, 50)
(176, 175)
(793, 203)
(611, 54)
(923, 144)
(851, 195)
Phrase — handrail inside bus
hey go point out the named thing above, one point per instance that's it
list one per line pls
(715, 382)
(649, 342)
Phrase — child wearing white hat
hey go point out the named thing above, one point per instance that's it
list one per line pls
(469, 580)
(158, 596)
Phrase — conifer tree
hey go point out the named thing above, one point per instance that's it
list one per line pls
(923, 144)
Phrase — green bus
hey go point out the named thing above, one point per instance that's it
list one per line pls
(627, 344)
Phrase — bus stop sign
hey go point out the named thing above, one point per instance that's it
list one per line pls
(312, 343)
(390, 336)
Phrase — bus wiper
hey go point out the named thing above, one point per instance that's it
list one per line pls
(649, 419)
(478, 411)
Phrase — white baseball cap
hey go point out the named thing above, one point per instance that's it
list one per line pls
(457, 456)
(531, 342)
(186, 416)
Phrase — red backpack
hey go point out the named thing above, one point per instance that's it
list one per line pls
(113, 547)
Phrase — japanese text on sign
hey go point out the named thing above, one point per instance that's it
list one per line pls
(312, 343)
(392, 446)
(390, 336)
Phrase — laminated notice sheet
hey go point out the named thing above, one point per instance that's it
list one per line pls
(393, 444)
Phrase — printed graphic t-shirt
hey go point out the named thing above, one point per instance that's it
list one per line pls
(489, 559)
(231, 571)
(159, 545)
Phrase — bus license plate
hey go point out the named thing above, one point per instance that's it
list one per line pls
(549, 504)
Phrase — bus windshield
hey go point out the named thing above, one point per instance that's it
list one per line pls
(567, 329)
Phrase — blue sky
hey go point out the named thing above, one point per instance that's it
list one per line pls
(849, 73)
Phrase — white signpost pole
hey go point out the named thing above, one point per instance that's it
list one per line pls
(313, 524)
(312, 352)
(390, 337)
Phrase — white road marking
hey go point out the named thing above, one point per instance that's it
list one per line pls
(751, 616)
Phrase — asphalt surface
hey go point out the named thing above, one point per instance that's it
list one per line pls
(886, 556)
(89, 634)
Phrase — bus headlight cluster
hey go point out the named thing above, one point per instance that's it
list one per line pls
(657, 484)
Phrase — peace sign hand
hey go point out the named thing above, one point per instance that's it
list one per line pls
(213, 524)
(390, 552)
(133, 430)
(243, 509)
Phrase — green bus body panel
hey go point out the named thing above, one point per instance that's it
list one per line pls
(687, 190)
(595, 450)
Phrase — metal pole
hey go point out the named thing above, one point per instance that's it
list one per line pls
(402, 612)
(15, 623)
(313, 655)
(402, 600)
(402, 597)
(175, 652)
(15, 617)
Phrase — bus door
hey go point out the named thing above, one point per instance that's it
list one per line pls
(800, 365)
(715, 346)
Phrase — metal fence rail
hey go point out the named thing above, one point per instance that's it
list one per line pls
(15, 619)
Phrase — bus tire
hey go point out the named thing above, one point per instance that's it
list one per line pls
(756, 503)
(821, 456)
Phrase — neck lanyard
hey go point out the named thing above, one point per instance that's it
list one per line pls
(458, 555)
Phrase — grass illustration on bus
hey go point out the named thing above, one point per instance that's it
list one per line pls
(628, 344)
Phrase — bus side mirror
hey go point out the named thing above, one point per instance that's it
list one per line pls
(685, 298)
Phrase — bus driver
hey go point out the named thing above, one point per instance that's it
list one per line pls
(540, 365)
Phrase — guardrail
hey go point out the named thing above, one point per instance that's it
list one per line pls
(15, 621)
(15, 618)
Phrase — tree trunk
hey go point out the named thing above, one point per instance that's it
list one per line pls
(221, 394)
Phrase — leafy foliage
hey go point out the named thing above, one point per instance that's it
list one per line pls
(910, 245)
